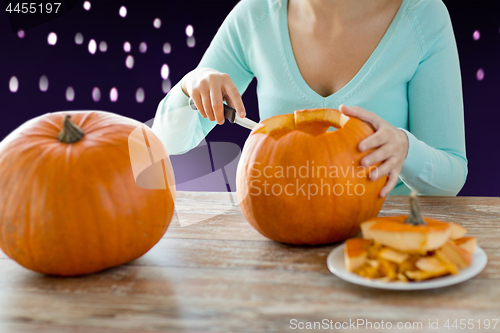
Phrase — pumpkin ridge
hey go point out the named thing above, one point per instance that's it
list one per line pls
(29, 171)
(28, 232)
(121, 240)
(111, 211)
(84, 118)
(56, 127)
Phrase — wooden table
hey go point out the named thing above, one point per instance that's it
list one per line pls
(220, 275)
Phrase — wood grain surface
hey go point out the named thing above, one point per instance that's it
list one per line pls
(213, 273)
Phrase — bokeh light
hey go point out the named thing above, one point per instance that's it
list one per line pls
(52, 38)
(92, 46)
(96, 94)
(167, 48)
(476, 35)
(86, 5)
(43, 84)
(20, 33)
(157, 23)
(127, 47)
(480, 74)
(123, 11)
(190, 41)
(166, 85)
(139, 95)
(129, 62)
(164, 71)
(113, 94)
(13, 84)
(143, 47)
(70, 94)
(79, 38)
(189, 30)
(103, 47)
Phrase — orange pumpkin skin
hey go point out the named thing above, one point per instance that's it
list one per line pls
(294, 140)
(74, 208)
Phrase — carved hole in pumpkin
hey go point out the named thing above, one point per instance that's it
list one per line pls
(319, 121)
(277, 126)
(314, 122)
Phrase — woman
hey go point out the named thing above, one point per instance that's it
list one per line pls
(394, 61)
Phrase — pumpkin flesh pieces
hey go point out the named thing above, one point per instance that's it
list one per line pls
(415, 248)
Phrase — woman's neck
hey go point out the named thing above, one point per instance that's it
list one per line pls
(328, 13)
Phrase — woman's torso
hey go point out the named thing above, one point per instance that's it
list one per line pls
(377, 78)
(330, 49)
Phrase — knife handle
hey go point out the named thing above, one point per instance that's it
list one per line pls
(229, 112)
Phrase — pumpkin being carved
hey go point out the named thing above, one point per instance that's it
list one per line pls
(69, 201)
(299, 183)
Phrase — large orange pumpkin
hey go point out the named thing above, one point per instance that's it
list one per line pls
(69, 202)
(299, 183)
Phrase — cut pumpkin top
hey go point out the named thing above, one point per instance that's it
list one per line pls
(396, 224)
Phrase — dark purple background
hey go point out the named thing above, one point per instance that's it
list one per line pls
(67, 64)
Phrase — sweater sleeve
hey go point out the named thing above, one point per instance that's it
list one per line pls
(436, 163)
(180, 128)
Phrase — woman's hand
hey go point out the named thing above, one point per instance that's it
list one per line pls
(209, 88)
(391, 147)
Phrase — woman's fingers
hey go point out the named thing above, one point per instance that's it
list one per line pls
(375, 140)
(207, 104)
(209, 88)
(389, 149)
(362, 114)
(216, 100)
(234, 97)
(383, 169)
(199, 104)
(391, 183)
(376, 156)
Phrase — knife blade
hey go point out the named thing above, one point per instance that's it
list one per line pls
(231, 115)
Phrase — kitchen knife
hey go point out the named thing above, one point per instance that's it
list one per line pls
(231, 115)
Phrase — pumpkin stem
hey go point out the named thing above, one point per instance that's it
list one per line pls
(415, 216)
(71, 132)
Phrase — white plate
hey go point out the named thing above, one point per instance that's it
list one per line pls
(335, 262)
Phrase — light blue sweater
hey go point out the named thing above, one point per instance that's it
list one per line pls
(412, 80)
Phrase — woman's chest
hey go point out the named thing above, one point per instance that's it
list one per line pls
(327, 66)
(330, 56)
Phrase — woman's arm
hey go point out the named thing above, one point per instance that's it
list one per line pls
(178, 126)
(436, 163)
(430, 158)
